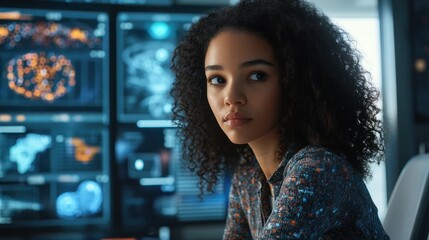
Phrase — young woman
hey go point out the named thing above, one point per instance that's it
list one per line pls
(272, 89)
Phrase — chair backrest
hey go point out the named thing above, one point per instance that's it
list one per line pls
(409, 200)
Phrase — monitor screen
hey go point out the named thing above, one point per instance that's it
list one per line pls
(123, 2)
(84, 1)
(420, 51)
(56, 175)
(146, 42)
(156, 186)
(53, 61)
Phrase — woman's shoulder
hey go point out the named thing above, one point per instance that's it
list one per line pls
(315, 150)
(320, 159)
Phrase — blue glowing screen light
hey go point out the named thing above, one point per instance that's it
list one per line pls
(159, 30)
(25, 150)
(86, 201)
(90, 197)
(67, 205)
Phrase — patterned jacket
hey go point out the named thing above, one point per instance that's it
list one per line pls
(318, 195)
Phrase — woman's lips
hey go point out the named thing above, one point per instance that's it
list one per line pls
(235, 119)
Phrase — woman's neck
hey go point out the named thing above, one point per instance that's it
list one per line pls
(265, 151)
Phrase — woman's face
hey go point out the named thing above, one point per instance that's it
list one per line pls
(243, 87)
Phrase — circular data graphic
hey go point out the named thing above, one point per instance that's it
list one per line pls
(86, 201)
(41, 77)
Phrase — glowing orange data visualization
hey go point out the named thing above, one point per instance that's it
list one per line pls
(48, 34)
(83, 152)
(37, 76)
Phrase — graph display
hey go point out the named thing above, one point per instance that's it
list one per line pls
(53, 203)
(24, 152)
(54, 175)
(85, 201)
(51, 151)
(146, 42)
(55, 167)
(156, 186)
(52, 60)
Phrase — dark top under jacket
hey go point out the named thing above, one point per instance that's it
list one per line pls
(318, 195)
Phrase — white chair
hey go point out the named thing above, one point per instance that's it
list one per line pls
(407, 211)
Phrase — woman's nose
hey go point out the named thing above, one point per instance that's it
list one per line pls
(235, 95)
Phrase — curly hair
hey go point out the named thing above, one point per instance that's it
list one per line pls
(327, 97)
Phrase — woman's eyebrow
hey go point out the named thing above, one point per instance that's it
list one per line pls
(256, 62)
(213, 67)
(244, 64)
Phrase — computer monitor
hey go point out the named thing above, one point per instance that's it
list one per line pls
(146, 42)
(420, 55)
(53, 61)
(53, 175)
(157, 188)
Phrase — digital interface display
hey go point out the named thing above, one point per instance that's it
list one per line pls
(56, 128)
(135, 2)
(156, 187)
(421, 58)
(52, 60)
(145, 2)
(46, 151)
(53, 203)
(84, 1)
(145, 46)
(53, 174)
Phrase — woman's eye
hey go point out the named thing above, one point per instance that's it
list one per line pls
(258, 76)
(216, 80)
